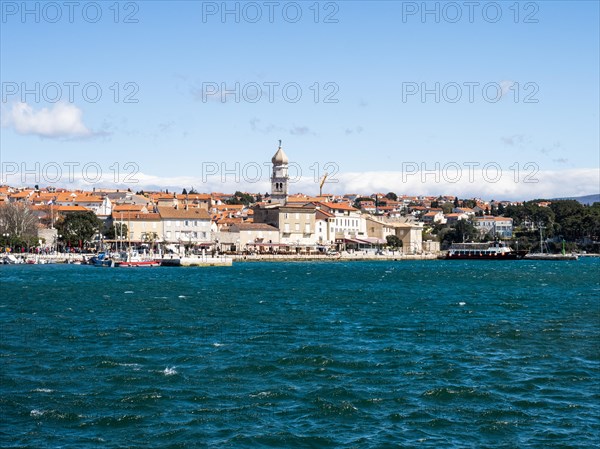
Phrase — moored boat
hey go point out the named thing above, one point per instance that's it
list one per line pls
(103, 260)
(482, 251)
(134, 259)
(140, 263)
(550, 256)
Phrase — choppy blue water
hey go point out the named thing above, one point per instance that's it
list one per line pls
(441, 354)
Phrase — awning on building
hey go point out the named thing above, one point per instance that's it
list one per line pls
(373, 240)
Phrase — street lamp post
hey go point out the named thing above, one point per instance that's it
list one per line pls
(5, 237)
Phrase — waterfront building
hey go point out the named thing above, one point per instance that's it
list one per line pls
(349, 222)
(187, 226)
(498, 227)
(410, 232)
(142, 227)
(324, 227)
(296, 222)
(259, 237)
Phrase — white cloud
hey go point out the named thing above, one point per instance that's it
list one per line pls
(530, 185)
(62, 121)
(507, 184)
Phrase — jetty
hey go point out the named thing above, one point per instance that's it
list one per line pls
(196, 261)
(343, 257)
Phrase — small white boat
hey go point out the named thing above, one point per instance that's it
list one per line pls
(134, 259)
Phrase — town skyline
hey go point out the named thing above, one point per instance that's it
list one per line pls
(255, 178)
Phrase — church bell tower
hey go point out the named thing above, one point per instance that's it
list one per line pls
(280, 178)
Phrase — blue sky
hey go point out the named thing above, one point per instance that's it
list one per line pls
(540, 107)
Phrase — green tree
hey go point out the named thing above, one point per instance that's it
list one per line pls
(566, 208)
(116, 231)
(150, 238)
(393, 241)
(591, 222)
(79, 227)
(391, 196)
(517, 213)
(234, 200)
(461, 231)
(359, 199)
(542, 216)
(241, 198)
(447, 208)
(469, 203)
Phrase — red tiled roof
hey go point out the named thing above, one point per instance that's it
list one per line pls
(182, 213)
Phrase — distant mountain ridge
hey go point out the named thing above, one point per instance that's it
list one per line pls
(587, 199)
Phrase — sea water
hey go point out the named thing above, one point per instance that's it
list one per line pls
(441, 354)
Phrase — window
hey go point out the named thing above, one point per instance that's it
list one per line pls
(297, 226)
(177, 223)
(297, 216)
(154, 225)
(186, 223)
(168, 235)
